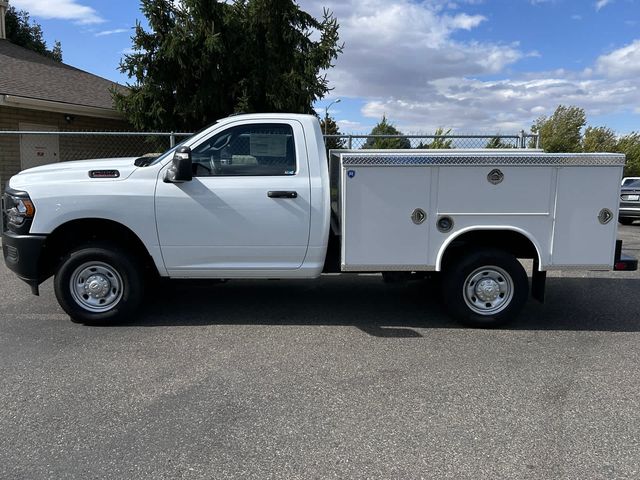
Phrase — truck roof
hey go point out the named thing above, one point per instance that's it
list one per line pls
(268, 116)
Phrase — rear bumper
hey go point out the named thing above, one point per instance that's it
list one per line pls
(22, 255)
(624, 262)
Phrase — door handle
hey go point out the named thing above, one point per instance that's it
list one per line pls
(282, 194)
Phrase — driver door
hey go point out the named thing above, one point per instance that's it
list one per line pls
(247, 210)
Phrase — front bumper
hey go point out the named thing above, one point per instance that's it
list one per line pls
(22, 255)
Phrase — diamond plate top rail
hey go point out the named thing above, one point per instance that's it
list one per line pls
(384, 159)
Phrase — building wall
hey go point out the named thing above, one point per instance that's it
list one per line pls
(71, 147)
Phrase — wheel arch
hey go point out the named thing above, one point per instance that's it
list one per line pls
(77, 232)
(512, 239)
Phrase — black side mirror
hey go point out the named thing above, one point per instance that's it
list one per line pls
(182, 169)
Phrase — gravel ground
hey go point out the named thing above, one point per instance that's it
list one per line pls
(344, 377)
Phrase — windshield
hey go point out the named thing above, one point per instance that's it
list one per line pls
(172, 150)
(632, 184)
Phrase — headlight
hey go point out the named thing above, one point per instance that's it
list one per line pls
(18, 209)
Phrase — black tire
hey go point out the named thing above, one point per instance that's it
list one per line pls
(626, 220)
(502, 276)
(114, 270)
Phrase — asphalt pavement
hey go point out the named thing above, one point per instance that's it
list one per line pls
(343, 377)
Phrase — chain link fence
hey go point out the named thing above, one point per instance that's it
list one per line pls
(356, 142)
(20, 149)
(85, 145)
(66, 145)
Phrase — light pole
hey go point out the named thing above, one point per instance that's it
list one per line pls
(326, 114)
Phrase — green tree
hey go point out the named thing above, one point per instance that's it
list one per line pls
(496, 142)
(599, 139)
(630, 146)
(329, 127)
(562, 131)
(25, 33)
(386, 128)
(201, 60)
(440, 142)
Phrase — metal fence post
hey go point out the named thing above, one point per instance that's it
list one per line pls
(172, 140)
(350, 142)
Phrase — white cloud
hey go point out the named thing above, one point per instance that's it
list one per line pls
(466, 22)
(111, 32)
(405, 60)
(396, 47)
(351, 126)
(621, 63)
(59, 9)
(602, 3)
(468, 105)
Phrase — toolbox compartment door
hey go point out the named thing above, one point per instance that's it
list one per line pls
(379, 229)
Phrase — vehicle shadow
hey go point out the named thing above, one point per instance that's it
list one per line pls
(382, 310)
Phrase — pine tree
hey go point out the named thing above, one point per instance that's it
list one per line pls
(386, 128)
(25, 33)
(329, 127)
(202, 60)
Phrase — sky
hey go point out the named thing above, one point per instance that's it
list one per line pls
(475, 66)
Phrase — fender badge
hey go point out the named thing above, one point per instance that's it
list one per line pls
(351, 173)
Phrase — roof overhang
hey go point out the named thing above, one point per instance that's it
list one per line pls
(58, 107)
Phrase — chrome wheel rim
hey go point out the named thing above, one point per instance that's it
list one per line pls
(96, 286)
(488, 290)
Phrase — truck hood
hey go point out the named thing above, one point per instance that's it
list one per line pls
(74, 171)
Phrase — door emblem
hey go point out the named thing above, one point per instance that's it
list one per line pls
(495, 176)
(351, 173)
(418, 216)
(605, 216)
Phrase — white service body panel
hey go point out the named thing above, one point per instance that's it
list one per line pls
(377, 217)
(565, 204)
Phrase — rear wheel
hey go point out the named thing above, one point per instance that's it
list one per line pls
(485, 288)
(99, 284)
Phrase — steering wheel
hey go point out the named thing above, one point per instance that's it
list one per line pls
(221, 142)
(216, 164)
(216, 149)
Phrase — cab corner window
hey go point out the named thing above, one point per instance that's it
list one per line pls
(247, 150)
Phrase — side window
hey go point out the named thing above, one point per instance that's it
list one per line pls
(247, 150)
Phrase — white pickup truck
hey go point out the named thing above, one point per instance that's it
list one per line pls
(252, 197)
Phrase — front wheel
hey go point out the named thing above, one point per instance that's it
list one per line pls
(99, 284)
(485, 288)
(625, 220)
